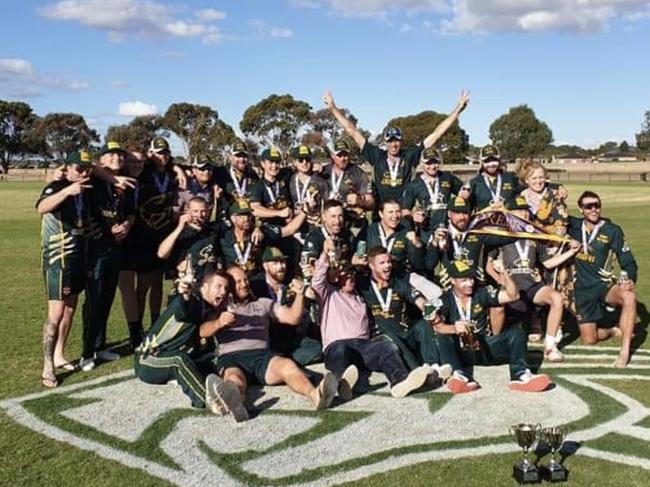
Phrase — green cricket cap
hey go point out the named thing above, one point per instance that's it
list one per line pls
(81, 158)
(432, 155)
(112, 146)
(271, 154)
(240, 207)
(159, 145)
(458, 205)
(272, 254)
(239, 147)
(460, 269)
(340, 146)
(301, 152)
(489, 152)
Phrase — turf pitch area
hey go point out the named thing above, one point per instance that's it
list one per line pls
(74, 436)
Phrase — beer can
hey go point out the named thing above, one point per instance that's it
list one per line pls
(362, 248)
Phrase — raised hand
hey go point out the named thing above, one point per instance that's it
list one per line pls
(328, 99)
(463, 99)
(78, 187)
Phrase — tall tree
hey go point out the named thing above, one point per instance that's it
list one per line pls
(16, 122)
(643, 137)
(609, 146)
(519, 133)
(277, 120)
(63, 133)
(415, 129)
(139, 131)
(624, 147)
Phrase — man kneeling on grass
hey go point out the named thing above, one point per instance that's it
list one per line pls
(346, 336)
(463, 338)
(242, 331)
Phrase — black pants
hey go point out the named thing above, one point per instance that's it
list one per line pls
(376, 356)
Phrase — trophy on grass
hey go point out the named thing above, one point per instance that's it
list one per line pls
(525, 435)
(554, 438)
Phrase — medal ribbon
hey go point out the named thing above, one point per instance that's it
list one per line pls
(336, 183)
(302, 194)
(387, 242)
(240, 188)
(496, 194)
(586, 243)
(273, 191)
(433, 193)
(393, 169)
(522, 252)
(465, 313)
(78, 201)
(457, 246)
(385, 305)
(243, 258)
(161, 186)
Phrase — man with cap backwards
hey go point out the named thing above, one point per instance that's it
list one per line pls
(270, 199)
(157, 193)
(392, 167)
(386, 296)
(345, 327)
(242, 331)
(242, 244)
(426, 197)
(463, 338)
(404, 246)
(291, 341)
(236, 178)
(64, 206)
(112, 216)
(493, 186)
(521, 259)
(600, 239)
(307, 189)
(348, 183)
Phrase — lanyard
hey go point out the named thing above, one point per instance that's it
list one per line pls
(385, 305)
(458, 247)
(78, 201)
(465, 313)
(239, 188)
(496, 194)
(393, 169)
(273, 191)
(523, 253)
(433, 193)
(279, 295)
(302, 194)
(387, 242)
(336, 183)
(242, 259)
(161, 186)
(586, 243)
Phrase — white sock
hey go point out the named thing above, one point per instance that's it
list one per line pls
(549, 342)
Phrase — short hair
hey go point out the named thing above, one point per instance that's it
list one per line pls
(332, 204)
(212, 273)
(389, 201)
(527, 168)
(587, 194)
(376, 250)
(197, 199)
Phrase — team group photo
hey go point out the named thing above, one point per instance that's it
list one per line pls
(327, 292)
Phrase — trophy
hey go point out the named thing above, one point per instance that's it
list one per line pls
(554, 438)
(468, 341)
(305, 260)
(525, 435)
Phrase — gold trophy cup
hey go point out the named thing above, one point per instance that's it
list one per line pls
(525, 435)
(554, 438)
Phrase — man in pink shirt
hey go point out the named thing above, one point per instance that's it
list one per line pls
(346, 339)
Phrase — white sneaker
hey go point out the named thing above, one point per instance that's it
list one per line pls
(347, 382)
(86, 364)
(415, 380)
(223, 397)
(553, 355)
(444, 371)
(107, 356)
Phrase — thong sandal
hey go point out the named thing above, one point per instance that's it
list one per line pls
(67, 366)
(48, 382)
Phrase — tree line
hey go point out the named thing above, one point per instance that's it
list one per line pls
(277, 120)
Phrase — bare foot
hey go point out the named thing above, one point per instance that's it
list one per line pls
(48, 379)
(62, 363)
(622, 361)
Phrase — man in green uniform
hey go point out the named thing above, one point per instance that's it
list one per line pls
(426, 197)
(386, 296)
(348, 183)
(393, 167)
(405, 248)
(333, 226)
(600, 240)
(463, 333)
(112, 217)
(270, 199)
(291, 341)
(64, 207)
(237, 178)
(307, 189)
(169, 349)
(493, 186)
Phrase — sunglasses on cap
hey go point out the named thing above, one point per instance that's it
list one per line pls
(490, 160)
(591, 206)
(204, 167)
(393, 133)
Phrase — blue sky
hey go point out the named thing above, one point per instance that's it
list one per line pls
(580, 64)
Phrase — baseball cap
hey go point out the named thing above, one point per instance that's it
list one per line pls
(460, 269)
(239, 147)
(111, 146)
(240, 207)
(159, 145)
(458, 205)
(271, 154)
(272, 254)
(201, 162)
(489, 152)
(82, 158)
(432, 155)
(392, 133)
(301, 152)
(340, 146)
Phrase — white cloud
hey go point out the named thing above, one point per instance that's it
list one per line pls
(280, 32)
(136, 108)
(119, 84)
(19, 78)
(138, 18)
(375, 8)
(15, 67)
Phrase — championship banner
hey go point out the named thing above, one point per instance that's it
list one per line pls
(505, 223)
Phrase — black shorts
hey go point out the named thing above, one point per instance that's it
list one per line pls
(142, 259)
(590, 303)
(519, 310)
(63, 281)
(254, 364)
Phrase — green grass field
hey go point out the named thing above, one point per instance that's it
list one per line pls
(31, 458)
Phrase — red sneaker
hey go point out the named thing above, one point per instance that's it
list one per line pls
(460, 385)
(528, 382)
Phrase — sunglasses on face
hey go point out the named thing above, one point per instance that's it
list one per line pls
(303, 159)
(431, 162)
(591, 206)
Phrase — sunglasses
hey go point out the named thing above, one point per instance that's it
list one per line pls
(303, 159)
(431, 162)
(591, 206)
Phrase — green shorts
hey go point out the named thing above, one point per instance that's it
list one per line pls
(63, 281)
(590, 303)
(253, 363)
